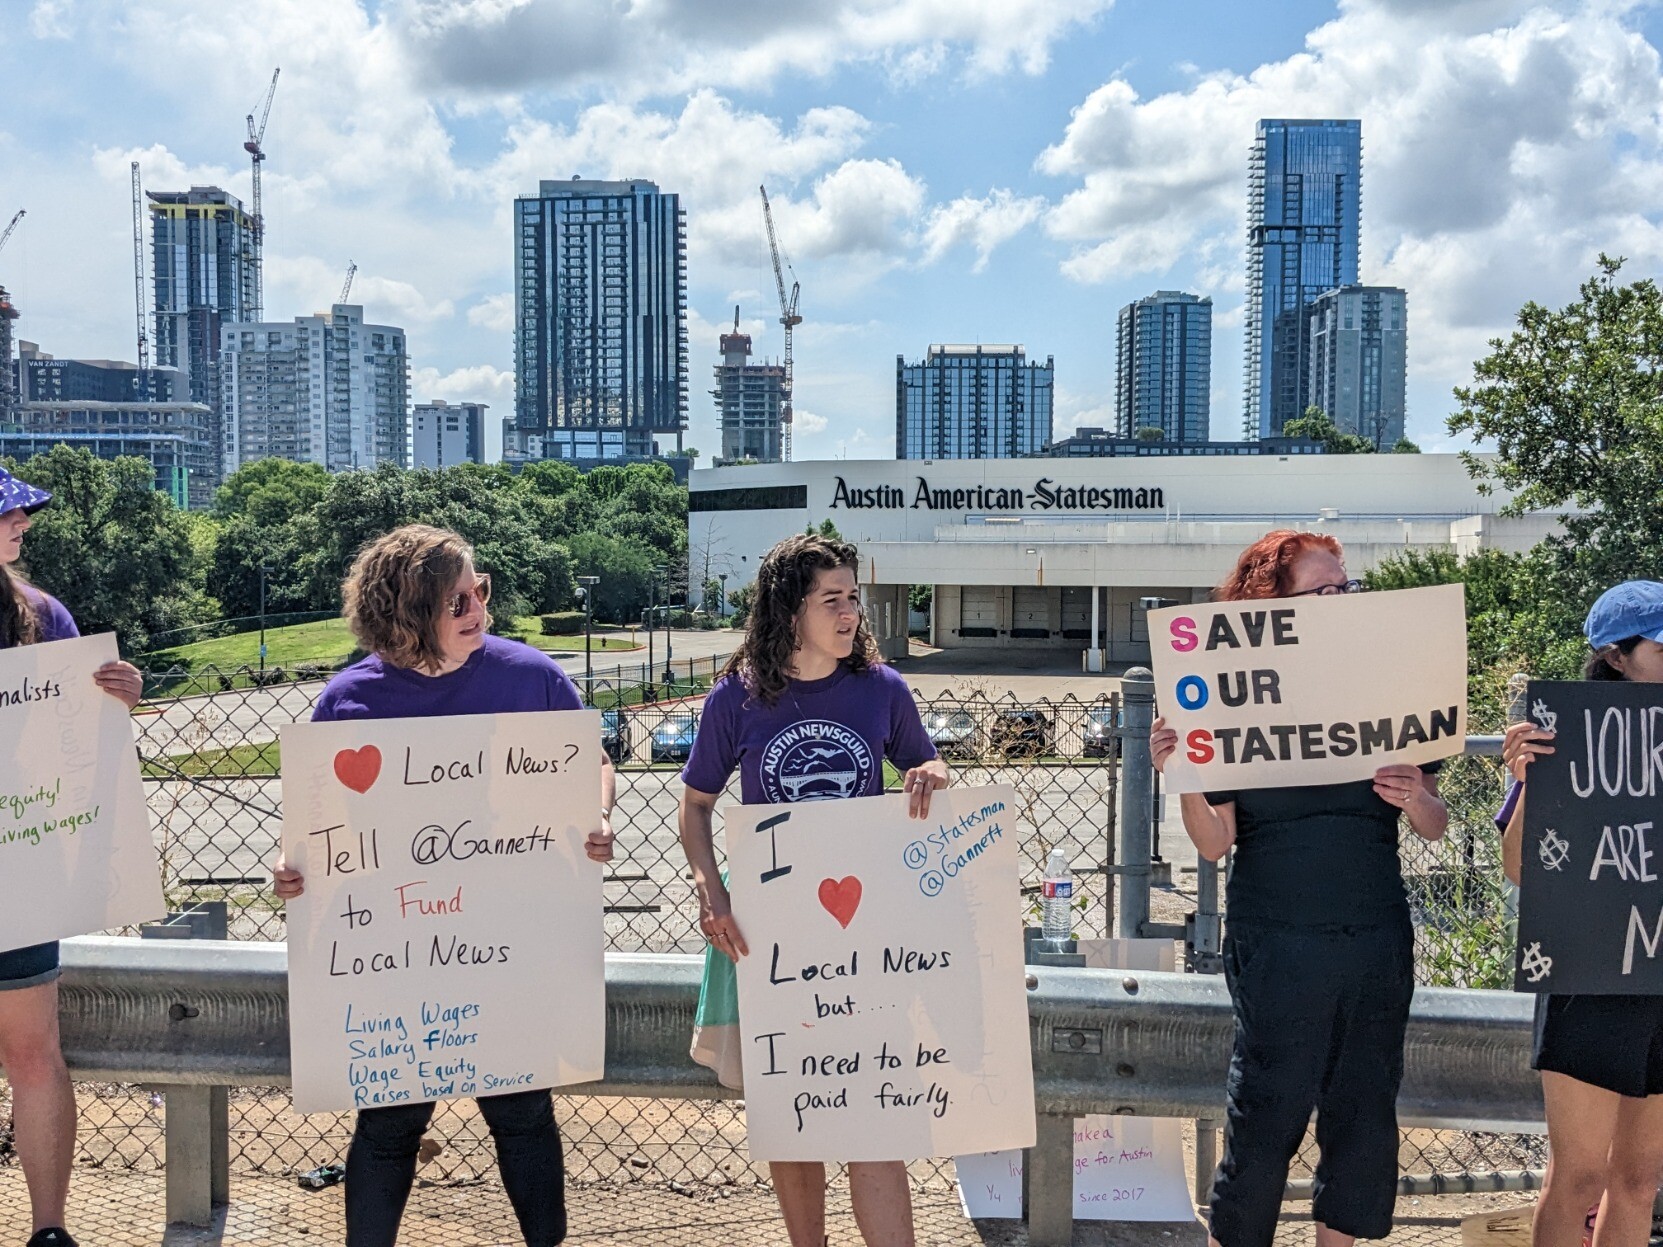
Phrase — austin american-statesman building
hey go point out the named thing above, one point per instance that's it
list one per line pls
(1069, 554)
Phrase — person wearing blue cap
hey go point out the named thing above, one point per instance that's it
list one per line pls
(1601, 1057)
(43, 1104)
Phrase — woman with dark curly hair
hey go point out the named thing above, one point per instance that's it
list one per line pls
(415, 602)
(807, 660)
(1319, 957)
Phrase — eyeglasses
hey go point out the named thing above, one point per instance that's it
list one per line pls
(457, 603)
(1329, 591)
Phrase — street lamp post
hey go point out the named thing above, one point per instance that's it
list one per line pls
(647, 620)
(669, 672)
(586, 586)
(723, 578)
(264, 572)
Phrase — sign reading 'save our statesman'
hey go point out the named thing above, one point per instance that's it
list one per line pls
(1044, 495)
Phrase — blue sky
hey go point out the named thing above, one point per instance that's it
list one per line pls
(942, 170)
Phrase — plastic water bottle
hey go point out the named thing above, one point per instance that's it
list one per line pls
(1057, 899)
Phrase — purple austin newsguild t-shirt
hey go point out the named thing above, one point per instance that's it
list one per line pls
(56, 623)
(500, 677)
(821, 740)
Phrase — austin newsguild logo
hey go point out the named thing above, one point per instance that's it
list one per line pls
(815, 761)
(1046, 495)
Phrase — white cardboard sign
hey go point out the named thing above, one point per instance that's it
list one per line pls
(75, 847)
(882, 1008)
(1310, 690)
(449, 941)
(1125, 1168)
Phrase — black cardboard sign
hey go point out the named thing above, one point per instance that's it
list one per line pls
(1591, 895)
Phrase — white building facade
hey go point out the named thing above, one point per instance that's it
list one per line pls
(325, 389)
(1062, 554)
(446, 434)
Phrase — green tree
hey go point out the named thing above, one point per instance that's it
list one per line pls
(827, 529)
(1149, 433)
(113, 549)
(919, 597)
(1319, 427)
(1403, 446)
(625, 569)
(740, 602)
(1573, 403)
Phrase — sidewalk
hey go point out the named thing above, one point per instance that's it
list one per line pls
(126, 1210)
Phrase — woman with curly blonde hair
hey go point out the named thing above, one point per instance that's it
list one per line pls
(416, 603)
(807, 662)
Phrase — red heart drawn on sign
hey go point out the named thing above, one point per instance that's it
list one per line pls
(841, 897)
(358, 768)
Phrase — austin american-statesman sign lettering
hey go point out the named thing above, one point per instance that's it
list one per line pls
(1045, 495)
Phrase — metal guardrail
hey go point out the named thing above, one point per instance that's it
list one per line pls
(194, 1017)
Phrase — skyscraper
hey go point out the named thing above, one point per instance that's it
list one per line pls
(1359, 348)
(446, 434)
(326, 389)
(972, 402)
(1304, 195)
(1163, 357)
(750, 400)
(600, 316)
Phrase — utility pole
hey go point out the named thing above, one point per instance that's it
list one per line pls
(264, 572)
(586, 586)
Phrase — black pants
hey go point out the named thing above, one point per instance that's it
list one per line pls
(381, 1166)
(1320, 1017)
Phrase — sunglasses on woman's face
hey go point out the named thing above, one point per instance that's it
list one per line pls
(1328, 591)
(457, 603)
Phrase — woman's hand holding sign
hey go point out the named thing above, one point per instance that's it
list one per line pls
(1522, 744)
(1163, 743)
(920, 782)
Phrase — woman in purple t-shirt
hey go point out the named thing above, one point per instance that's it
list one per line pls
(416, 603)
(43, 1103)
(807, 662)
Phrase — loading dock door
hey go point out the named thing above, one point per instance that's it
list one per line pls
(979, 611)
(1031, 614)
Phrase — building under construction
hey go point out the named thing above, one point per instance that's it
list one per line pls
(751, 401)
(8, 388)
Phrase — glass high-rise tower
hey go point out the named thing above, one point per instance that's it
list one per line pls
(1163, 375)
(600, 318)
(973, 402)
(1304, 197)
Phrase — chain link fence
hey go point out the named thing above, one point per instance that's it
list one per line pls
(208, 741)
(209, 751)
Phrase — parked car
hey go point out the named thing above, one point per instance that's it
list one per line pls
(1101, 734)
(954, 733)
(672, 739)
(1021, 732)
(615, 736)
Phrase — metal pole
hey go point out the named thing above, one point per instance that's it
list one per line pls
(586, 586)
(669, 674)
(263, 570)
(1137, 690)
(652, 597)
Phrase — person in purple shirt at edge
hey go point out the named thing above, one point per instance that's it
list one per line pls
(805, 711)
(415, 602)
(1601, 1057)
(43, 1103)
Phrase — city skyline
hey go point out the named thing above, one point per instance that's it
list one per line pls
(1015, 174)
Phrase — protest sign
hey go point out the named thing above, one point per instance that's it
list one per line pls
(882, 1010)
(75, 847)
(1590, 899)
(449, 941)
(1125, 1168)
(1310, 690)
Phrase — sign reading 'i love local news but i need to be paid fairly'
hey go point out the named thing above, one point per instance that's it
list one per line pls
(1310, 690)
(449, 940)
(882, 1009)
(75, 847)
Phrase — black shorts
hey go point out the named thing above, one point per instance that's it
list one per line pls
(1614, 1042)
(28, 967)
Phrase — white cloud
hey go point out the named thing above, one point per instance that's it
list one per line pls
(808, 423)
(51, 19)
(478, 384)
(656, 46)
(495, 312)
(980, 223)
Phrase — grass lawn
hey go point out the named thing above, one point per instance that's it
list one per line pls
(238, 762)
(323, 641)
(328, 642)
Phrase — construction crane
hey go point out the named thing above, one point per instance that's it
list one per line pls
(255, 135)
(21, 213)
(788, 318)
(138, 280)
(346, 288)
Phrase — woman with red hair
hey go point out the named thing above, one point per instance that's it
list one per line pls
(1319, 957)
